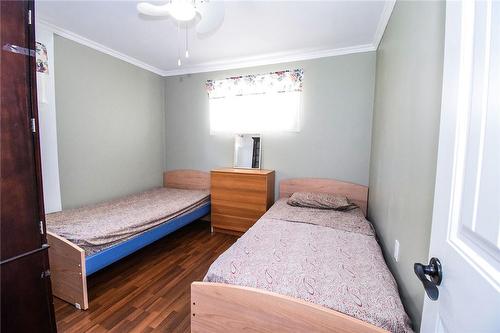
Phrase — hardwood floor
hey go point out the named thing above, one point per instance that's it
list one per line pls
(148, 291)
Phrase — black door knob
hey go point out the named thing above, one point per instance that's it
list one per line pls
(435, 273)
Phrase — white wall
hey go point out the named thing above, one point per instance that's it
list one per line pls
(48, 129)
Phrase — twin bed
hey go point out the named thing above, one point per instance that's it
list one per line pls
(85, 240)
(296, 269)
(302, 270)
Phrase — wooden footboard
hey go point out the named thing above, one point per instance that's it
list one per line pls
(67, 268)
(217, 307)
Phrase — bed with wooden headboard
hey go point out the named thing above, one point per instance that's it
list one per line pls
(70, 266)
(219, 307)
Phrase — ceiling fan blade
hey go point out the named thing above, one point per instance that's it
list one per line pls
(212, 16)
(153, 10)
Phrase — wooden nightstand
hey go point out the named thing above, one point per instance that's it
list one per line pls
(239, 198)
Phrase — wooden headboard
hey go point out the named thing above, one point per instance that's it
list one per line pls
(187, 179)
(357, 194)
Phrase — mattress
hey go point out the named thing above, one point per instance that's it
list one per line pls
(97, 227)
(325, 257)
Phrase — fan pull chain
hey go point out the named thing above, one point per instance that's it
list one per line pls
(187, 50)
(178, 46)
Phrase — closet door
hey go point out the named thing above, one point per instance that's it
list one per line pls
(26, 299)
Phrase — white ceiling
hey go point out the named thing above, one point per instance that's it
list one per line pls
(253, 32)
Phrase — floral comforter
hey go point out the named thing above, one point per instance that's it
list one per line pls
(325, 257)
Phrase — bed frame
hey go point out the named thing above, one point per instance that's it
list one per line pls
(69, 267)
(218, 307)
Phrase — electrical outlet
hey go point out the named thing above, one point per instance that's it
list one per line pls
(396, 250)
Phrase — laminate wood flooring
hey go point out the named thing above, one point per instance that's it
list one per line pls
(148, 291)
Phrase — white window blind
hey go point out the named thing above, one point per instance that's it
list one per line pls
(256, 103)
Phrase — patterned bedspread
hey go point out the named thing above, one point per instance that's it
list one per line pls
(325, 257)
(100, 226)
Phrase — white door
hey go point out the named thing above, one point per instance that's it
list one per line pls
(466, 220)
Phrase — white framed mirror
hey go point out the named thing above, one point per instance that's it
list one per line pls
(247, 151)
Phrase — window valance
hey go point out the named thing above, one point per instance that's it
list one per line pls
(275, 82)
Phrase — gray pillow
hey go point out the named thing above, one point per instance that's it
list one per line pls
(320, 201)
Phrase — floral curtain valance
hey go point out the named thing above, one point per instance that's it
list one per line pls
(276, 82)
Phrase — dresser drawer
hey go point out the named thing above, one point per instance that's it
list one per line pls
(232, 223)
(238, 209)
(237, 182)
(239, 196)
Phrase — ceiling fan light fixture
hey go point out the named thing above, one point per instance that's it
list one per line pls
(182, 10)
(209, 16)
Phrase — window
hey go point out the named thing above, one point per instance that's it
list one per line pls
(256, 103)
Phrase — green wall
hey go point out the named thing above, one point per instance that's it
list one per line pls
(110, 123)
(405, 139)
(336, 121)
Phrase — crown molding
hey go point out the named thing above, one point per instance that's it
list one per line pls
(268, 59)
(382, 23)
(96, 46)
(235, 63)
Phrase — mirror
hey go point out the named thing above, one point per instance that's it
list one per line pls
(247, 151)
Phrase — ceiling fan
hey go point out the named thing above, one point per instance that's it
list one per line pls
(206, 15)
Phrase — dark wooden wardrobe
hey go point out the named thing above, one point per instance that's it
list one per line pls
(26, 298)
